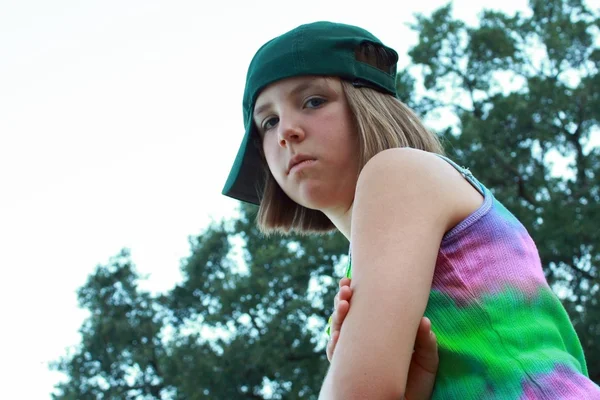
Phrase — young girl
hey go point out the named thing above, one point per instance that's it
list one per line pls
(329, 146)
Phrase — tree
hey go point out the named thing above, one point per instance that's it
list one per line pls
(516, 93)
(233, 329)
(272, 312)
(525, 92)
(121, 352)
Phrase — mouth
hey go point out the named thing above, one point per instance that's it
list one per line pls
(297, 160)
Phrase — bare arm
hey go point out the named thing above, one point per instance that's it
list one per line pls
(401, 211)
(424, 361)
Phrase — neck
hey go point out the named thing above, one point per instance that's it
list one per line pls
(342, 219)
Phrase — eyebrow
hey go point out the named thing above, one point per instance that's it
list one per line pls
(298, 89)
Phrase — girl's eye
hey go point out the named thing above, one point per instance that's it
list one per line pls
(314, 102)
(269, 123)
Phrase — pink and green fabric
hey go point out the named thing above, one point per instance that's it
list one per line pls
(502, 333)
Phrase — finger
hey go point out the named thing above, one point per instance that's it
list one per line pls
(345, 282)
(426, 349)
(339, 315)
(426, 338)
(345, 293)
(424, 327)
(331, 344)
(336, 300)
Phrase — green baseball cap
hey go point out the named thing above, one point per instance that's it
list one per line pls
(319, 49)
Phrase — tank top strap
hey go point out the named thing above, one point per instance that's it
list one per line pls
(466, 173)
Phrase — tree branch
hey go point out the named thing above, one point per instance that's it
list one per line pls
(521, 188)
(583, 273)
(301, 357)
(575, 139)
(254, 324)
(580, 159)
(254, 396)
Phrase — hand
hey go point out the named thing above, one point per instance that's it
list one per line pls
(424, 361)
(423, 364)
(341, 305)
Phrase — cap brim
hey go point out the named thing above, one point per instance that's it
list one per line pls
(246, 178)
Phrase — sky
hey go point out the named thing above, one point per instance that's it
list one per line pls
(119, 121)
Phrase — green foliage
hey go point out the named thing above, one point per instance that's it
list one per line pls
(263, 312)
(247, 320)
(120, 351)
(235, 327)
(525, 91)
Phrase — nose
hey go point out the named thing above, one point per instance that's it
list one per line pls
(290, 131)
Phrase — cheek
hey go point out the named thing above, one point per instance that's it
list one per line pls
(271, 156)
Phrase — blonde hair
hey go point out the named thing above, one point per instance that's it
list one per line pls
(382, 122)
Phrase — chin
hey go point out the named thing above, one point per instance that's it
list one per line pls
(316, 197)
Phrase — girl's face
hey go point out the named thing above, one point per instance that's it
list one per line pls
(310, 141)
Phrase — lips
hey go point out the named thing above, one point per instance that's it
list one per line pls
(297, 159)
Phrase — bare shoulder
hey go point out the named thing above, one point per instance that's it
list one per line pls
(421, 181)
(404, 163)
(407, 170)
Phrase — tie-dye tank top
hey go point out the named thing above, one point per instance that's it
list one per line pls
(501, 331)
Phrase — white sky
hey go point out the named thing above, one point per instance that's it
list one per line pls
(119, 121)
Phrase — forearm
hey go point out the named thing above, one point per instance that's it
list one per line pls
(358, 383)
(327, 390)
(341, 392)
